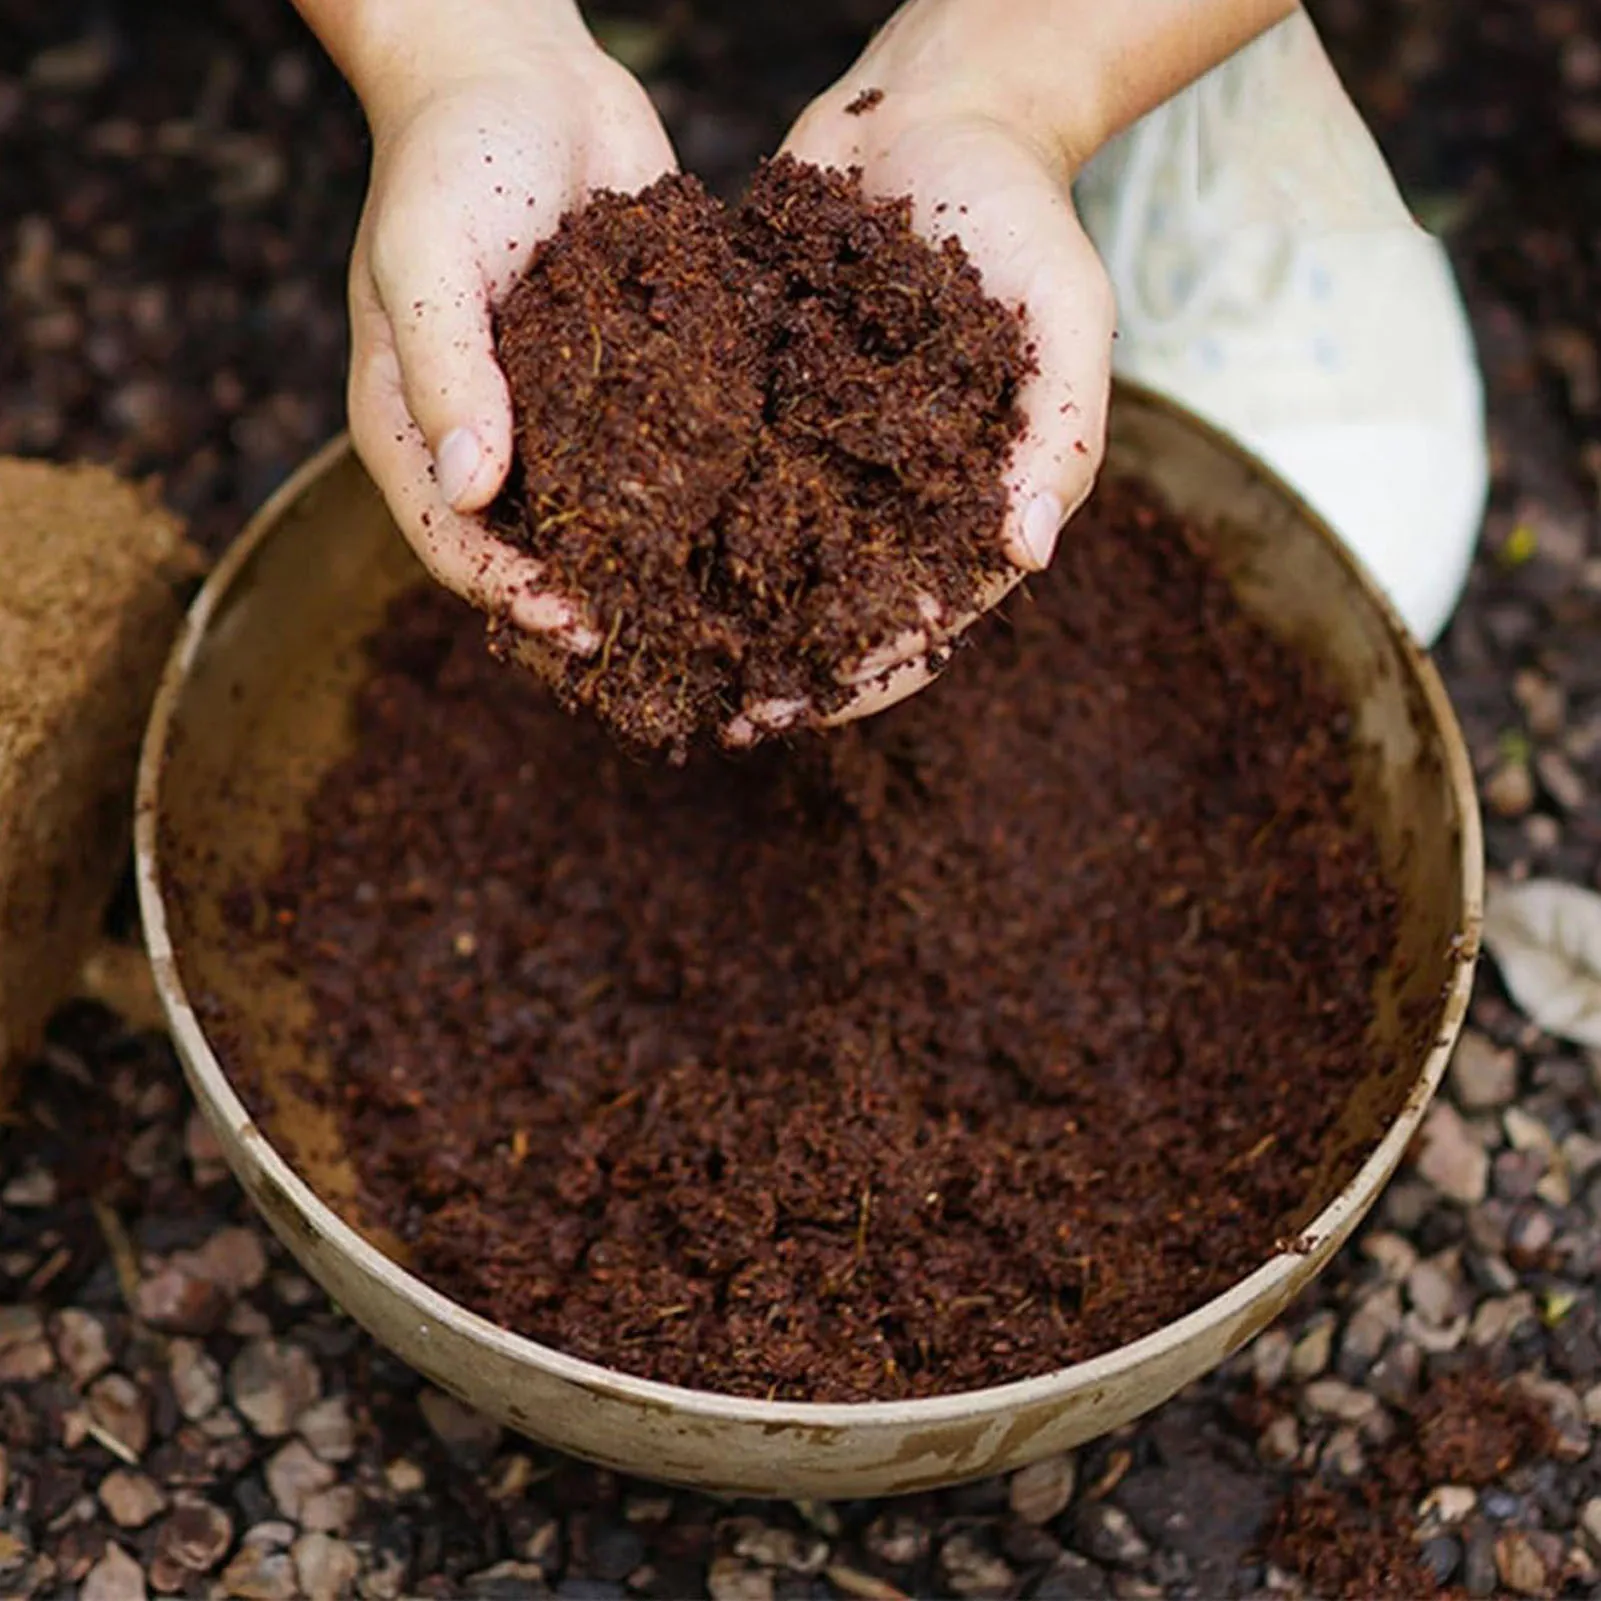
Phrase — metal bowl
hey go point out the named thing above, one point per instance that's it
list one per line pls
(253, 711)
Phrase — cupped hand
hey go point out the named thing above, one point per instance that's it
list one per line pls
(466, 178)
(973, 171)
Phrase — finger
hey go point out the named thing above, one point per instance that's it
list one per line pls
(429, 280)
(458, 552)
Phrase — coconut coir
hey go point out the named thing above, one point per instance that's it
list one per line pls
(939, 1051)
(751, 441)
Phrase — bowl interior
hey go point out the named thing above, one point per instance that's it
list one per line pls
(258, 708)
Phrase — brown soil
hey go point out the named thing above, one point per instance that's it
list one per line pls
(941, 1051)
(749, 439)
(1468, 1428)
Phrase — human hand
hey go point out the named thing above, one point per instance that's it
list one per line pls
(1001, 185)
(478, 150)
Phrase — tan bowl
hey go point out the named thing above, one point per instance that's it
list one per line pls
(255, 708)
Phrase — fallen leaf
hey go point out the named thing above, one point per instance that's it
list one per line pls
(1545, 937)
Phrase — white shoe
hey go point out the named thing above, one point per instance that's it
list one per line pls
(1269, 277)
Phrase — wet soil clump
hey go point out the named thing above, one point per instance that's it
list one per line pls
(753, 442)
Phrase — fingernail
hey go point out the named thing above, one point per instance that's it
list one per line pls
(1042, 522)
(456, 462)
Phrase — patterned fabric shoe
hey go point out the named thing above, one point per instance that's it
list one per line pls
(1270, 278)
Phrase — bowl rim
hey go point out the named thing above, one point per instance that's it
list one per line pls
(218, 1097)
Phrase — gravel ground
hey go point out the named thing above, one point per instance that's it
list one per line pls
(182, 1413)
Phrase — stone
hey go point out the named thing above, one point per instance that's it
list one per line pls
(769, 1546)
(897, 1540)
(1509, 790)
(1280, 1443)
(115, 1577)
(403, 1476)
(1070, 1578)
(521, 1581)
(1441, 1556)
(1525, 1132)
(94, 570)
(1450, 1158)
(730, 1579)
(1107, 1534)
(325, 1567)
(1343, 1403)
(466, 1434)
(1368, 1331)
(272, 1383)
(1312, 1351)
(327, 1429)
(1448, 1503)
(32, 1190)
(195, 1378)
(1561, 780)
(131, 1499)
(1270, 1358)
(294, 1475)
(259, 1574)
(1499, 1319)
(177, 1300)
(329, 1511)
(1041, 1491)
(1522, 1564)
(1483, 1076)
(1590, 1524)
(1393, 1255)
(969, 1569)
(234, 1258)
(122, 1410)
(1434, 1289)
(81, 1344)
(203, 1151)
(195, 1537)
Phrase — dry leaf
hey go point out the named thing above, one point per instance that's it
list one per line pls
(1545, 937)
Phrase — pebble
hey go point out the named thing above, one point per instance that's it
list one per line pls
(1393, 1255)
(1071, 1578)
(1479, 1577)
(1342, 1402)
(131, 1499)
(27, 1361)
(1500, 1319)
(272, 1383)
(330, 1511)
(1107, 1534)
(326, 1427)
(1529, 1236)
(1441, 1556)
(1343, 1457)
(1434, 1289)
(1280, 1443)
(122, 1409)
(1560, 780)
(1483, 1076)
(1590, 1523)
(971, 1570)
(1368, 1331)
(1522, 1559)
(403, 1476)
(766, 1544)
(466, 1434)
(179, 1301)
(1525, 1132)
(729, 1579)
(82, 1345)
(195, 1378)
(30, 1191)
(235, 1258)
(1544, 702)
(1312, 1351)
(325, 1567)
(1448, 1503)
(1509, 790)
(1451, 1159)
(1581, 1155)
(115, 1577)
(259, 1574)
(896, 1539)
(1270, 1358)
(1041, 1491)
(194, 1539)
(294, 1475)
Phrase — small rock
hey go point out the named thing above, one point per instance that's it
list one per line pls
(770, 1546)
(1343, 1458)
(206, 1161)
(1529, 1236)
(1041, 1491)
(1581, 1155)
(259, 1574)
(115, 1577)
(82, 1345)
(1500, 1319)
(1107, 1534)
(1072, 1578)
(1448, 1503)
(196, 1379)
(1525, 1132)
(1516, 1175)
(729, 1579)
(1544, 702)
(26, 1361)
(30, 1191)
(122, 1409)
(1280, 1444)
(896, 1539)
(971, 1570)
(1270, 1358)
(1450, 1158)
(330, 1511)
(1509, 790)
(403, 1476)
(131, 1499)
(1393, 1255)
(1479, 1577)
(327, 1429)
(194, 1539)
(1590, 1523)
(1483, 1077)
(618, 1549)
(234, 1258)
(326, 1568)
(1522, 1563)
(519, 1581)
(463, 1432)
(178, 1301)
(1434, 1289)
(1369, 1331)
(1561, 781)
(272, 1384)
(1344, 1403)
(294, 1475)
(1312, 1351)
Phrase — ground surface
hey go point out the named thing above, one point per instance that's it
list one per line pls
(178, 185)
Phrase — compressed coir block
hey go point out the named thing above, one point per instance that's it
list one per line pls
(91, 579)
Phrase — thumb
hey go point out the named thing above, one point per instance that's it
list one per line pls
(437, 299)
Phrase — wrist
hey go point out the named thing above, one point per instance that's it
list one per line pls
(398, 53)
(1067, 75)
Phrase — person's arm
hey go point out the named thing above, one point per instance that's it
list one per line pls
(489, 121)
(985, 112)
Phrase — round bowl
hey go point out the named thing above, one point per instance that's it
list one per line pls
(254, 709)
